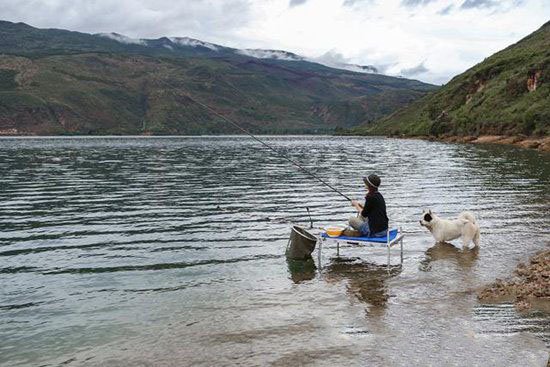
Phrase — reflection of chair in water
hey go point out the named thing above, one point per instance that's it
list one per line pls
(366, 281)
(446, 251)
(301, 270)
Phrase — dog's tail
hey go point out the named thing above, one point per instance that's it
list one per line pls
(468, 216)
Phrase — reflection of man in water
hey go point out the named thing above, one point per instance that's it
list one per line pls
(372, 220)
(367, 282)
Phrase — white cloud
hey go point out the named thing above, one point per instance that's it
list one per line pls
(445, 36)
(123, 39)
(201, 19)
(416, 2)
(270, 54)
(296, 2)
(186, 41)
(415, 70)
(491, 4)
(337, 60)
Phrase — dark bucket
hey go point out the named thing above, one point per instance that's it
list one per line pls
(301, 244)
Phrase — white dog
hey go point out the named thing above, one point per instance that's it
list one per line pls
(445, 230)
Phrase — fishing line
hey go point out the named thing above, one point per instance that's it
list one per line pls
(268, 146)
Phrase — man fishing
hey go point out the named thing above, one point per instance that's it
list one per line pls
(372, 220)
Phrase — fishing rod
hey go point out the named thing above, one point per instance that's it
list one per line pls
(268, 146)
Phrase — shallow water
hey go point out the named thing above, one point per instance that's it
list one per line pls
(169, 251)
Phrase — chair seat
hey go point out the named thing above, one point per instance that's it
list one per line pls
(393, 235)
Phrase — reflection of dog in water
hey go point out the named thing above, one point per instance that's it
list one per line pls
(446, 251)
(444, 230)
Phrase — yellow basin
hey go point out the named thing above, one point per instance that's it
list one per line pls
(334, 231)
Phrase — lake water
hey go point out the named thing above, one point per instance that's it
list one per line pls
(170, 251)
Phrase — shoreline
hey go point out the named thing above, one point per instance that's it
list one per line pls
(541, 144)
(527, 288)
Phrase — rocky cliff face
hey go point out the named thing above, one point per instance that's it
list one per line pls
(534, 80)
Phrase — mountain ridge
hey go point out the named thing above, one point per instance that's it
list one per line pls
(64, 82)
(165, 41)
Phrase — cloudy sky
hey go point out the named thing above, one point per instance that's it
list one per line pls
(429, 40)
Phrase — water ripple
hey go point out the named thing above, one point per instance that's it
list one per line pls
(178, 244)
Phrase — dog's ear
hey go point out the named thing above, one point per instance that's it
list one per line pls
(430, 211)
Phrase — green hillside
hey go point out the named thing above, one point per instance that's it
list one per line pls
(506, 94)
(61, 82)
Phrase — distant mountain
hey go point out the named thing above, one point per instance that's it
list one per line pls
(506, 94)
(61, 82)
(172, 42)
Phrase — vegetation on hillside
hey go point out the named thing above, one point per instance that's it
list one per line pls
(61, 82)
(507, 94)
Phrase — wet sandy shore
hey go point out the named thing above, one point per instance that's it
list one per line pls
(528, 288)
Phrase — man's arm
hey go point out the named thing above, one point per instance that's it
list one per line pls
(357, 206)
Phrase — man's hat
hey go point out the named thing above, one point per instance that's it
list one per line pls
(372, 180)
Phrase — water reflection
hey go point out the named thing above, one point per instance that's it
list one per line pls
(301, 270)
(365, 281)
(147, 236)
(503, 160)
(466, 259)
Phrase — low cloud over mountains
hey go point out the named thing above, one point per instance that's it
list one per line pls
(446, 36)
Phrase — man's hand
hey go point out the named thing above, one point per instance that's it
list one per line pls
(356, 205)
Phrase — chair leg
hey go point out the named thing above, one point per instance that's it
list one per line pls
(389, 249)
(319, 253)
(338, 249)
(401, 245)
